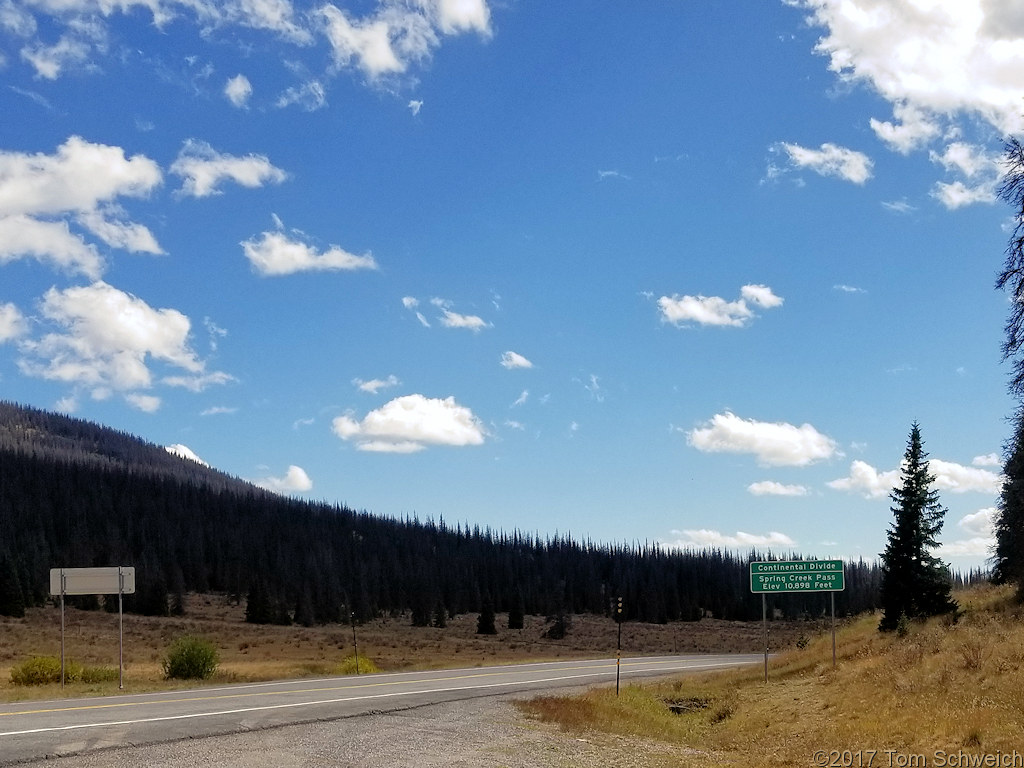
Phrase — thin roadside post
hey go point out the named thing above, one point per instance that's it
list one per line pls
(618, 646)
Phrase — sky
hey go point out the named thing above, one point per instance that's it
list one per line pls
(679, 272)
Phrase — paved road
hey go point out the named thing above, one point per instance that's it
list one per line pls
(33, 730)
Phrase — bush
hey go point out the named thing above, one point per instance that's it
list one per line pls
(100, 674)
(348, 666)
(191, 658)
(40, 670)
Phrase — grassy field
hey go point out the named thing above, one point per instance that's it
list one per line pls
(945, 694)
(250, 652)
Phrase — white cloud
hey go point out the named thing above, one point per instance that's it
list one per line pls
(238, 90)
(69, 51)
(930, 60)
(203, 169)
(956, 478)
(949, 476)
(866, 480)
(415, 106)
(274, 253)
(713, 310)
(772, 488)
(295, 481)
(106, 340)
(521, 400)
(898, 206)
(774, 444)
(980, 523)
(184, 452)
(956, 194)
(398, 35)
(411, 423)
(12, 323)
(980, 531)
(373, 386)
(310, 96)
(473, 323)
(145, 403)
(761, 295)
(218, 410)
(41, 194)
(831, 160)
(708, 539)
(988, 460)
(512, 359)
(911, 129)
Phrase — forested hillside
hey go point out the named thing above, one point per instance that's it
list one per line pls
(75, 494)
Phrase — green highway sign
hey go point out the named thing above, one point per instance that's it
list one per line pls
(797, 576)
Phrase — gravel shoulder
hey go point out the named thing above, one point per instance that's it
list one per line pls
(486, 732)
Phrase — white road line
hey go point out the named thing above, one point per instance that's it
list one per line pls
(293, 705)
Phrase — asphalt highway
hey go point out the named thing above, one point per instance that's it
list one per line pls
(33, 730)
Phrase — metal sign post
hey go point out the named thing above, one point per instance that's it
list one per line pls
(618, 646)
(94, 581)
(796, 576)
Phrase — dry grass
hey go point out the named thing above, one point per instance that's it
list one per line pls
(252, 653)
(944, 686)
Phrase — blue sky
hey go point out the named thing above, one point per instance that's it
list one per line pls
(684, 274)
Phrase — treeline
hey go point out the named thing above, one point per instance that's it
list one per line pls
(78, 495)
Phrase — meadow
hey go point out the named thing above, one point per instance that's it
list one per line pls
(250, 652)
(945, 693)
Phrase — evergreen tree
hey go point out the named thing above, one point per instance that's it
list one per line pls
(915, 583)
(440, 615)
(1009, 521)
(12, 598)
(1011, 190)
(485, 622)
(516, 614)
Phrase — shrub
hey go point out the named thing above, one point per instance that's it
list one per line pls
(348, 666)
(190, 658)
(40, 670)
(100, 674)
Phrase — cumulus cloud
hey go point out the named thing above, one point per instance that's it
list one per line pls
(203, 169)
(412, 423)
(928, 60)
(42, 195)
(705, 538)
(979, 529)
(238, 90)
(373, 386)
(12, 323)
(448, 318)
(451, 319)
(512, 360)
(830, 160)
(956, 478)
(773, 443)
(713, 310)
(949, 477)
(275, 253)
(295, 480)
(772, 488)
(396, 36)
(866, 480)
(184, 452)
(106, 341)
(987, 460)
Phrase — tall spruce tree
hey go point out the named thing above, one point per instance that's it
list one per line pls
(915, 583)
(1008, 567)
(1009, 522)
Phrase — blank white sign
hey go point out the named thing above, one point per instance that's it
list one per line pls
(93, 581)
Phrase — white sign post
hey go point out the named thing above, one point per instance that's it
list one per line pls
(117, 579)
